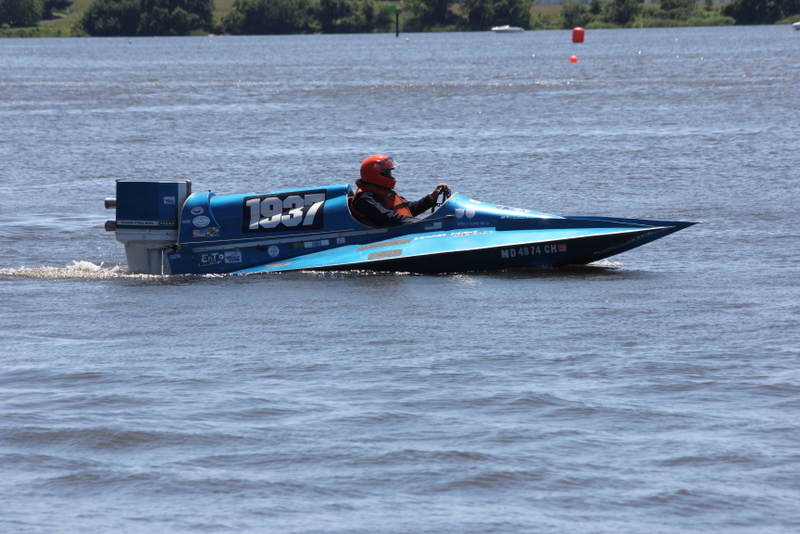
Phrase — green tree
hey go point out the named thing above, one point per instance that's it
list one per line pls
(269, 17)
(50, 6)
(424, 14)
(480, 14)
(334, 14)
(146, 17)
(21, 13)
(668, 5)
(761, 11)
(575, 14)
(595, 7)
(106, 18)
(621, 11)
(173, 17)
(676, 9)
(483, 14)
(351, 16)
(513, 12)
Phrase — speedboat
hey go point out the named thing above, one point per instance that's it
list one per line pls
(796, 25)
(167, 229)
(507, 29)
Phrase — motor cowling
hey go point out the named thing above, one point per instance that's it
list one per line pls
(147, 221)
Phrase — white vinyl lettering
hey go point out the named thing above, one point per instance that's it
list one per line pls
(291, 210)
(254, 205)
(271, 210)
(294, 216)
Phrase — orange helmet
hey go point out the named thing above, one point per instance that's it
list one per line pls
(378, 170)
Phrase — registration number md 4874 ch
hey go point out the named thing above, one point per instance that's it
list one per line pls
(533, 250)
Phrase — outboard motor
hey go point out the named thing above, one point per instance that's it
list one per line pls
(148, 219)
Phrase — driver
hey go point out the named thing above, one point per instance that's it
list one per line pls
(375, 200)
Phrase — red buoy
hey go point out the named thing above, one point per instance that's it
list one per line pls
(573, 59)
(577, 35)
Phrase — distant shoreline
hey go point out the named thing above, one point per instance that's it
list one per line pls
(543, 17)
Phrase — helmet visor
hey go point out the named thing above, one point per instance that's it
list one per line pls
(386, 167)
(387, 164)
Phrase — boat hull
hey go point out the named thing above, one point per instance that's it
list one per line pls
(168, 230)
(507, 29)
(481, 250)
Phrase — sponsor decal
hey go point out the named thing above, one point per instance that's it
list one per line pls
(423, 237)
(313, 244)
(146, 223)
(137, 223)
(517, 210)
(461, 212)
(272, 213)
(273, 251)
(201, 221)
(212, 258)
(215, 258)
(169, 200)
(233, 256)
(211, 231)
(474, 232)
(198, 210)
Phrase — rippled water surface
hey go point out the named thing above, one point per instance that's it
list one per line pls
(656, 392)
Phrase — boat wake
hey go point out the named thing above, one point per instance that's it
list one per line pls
(607, 264)
(89, 270)
(78, 269)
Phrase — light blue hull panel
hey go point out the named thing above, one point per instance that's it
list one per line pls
(540, 248)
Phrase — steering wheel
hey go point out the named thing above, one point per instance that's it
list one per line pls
(445, 194)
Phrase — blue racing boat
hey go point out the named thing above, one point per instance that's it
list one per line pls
(168, 230)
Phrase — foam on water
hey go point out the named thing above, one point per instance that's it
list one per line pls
(78, 269)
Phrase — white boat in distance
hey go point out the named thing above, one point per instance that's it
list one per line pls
(507, 29)
(796, 25)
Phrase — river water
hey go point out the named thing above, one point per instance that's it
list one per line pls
(654, 392)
